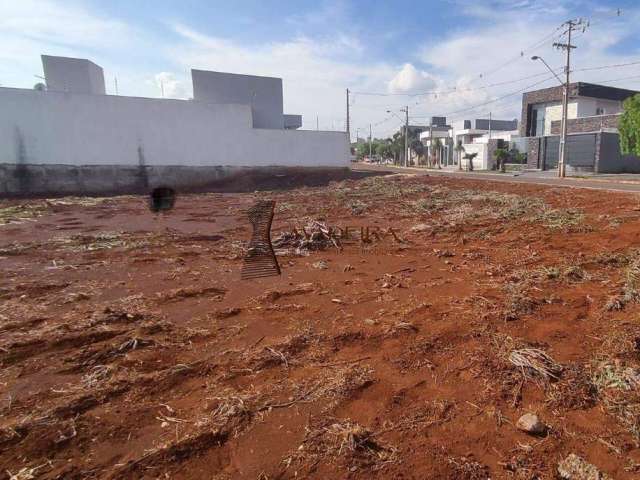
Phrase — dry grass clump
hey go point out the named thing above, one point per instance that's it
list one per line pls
(21, 213)
(231, 407)
(518, 301)
(101, 241)
(313, 236)
(618, 388)
(357, 207)
(535, 362)
(569, 220)
(283, 353)
(343, 441)
(631, 289)
(468, 469)
(575, 391)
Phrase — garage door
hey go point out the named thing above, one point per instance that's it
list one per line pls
(581, 151)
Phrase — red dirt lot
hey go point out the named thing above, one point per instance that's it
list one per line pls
(130, 347)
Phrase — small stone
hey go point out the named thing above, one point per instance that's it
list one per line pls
(420, 227)
(530, 423)
(575, 468)
(320, 265)
(386, 285)
(370, 321)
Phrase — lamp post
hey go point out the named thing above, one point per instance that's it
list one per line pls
(565, 103)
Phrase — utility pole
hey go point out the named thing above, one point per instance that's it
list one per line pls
(406, 136)
(115, 81)
(348, 126)
(370, 141)
(430, 152)
(489, 125)
(317, 123)
(571, 24)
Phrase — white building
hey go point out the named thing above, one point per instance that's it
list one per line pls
(72, 138)
(479, 136)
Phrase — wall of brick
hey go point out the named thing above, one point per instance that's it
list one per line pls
(552, 94)
(533, 152)
(587, 124)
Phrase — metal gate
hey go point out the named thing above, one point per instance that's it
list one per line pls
(551, 152)
(581, 151)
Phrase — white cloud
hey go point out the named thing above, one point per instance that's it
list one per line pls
(317, 68)
(169, 86)
(411, 80)
(315, 73)
(60, 24)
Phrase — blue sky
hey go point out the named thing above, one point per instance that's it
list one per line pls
(320, 48)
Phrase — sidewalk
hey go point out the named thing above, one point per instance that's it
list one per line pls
(612, 182)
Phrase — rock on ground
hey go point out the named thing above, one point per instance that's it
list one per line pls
(530, 423)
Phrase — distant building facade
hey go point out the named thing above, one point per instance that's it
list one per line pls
(481, 136)
(593, 115)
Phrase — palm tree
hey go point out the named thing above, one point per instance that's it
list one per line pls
(501, 155)
(470, 157)
(437, 147)
(418, 149)
(459, 149)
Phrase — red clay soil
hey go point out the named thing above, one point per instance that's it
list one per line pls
(130, 347)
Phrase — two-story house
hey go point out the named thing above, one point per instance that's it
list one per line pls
(592, 124)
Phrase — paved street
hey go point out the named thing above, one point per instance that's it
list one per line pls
(618, 183)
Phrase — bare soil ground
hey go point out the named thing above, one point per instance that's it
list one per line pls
(130, 348)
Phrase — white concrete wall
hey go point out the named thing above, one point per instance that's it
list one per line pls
(263, 94)
(74, 75)
(75, 129)
(553, 112)
(480, 162)
(588, 107)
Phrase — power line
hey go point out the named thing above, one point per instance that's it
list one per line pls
(496, 84)
(493, 100)
(452, 89)
(604, 67)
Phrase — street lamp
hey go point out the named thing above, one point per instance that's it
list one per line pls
(565, 102)
(536, 57)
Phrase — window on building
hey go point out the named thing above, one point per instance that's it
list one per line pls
(599, 111)
(537, 122)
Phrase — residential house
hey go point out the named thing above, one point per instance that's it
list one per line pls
(483, 136)
(437, 141)
(480, 136)
(593, 114)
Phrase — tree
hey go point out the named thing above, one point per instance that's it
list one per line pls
(501, 155)
(418, 149)
(437, 147)
(629, 126)
(459, 148)
(470, 157)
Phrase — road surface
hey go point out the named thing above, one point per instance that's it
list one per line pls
(536, 178)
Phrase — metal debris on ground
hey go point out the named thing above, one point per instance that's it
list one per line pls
(260, 260)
